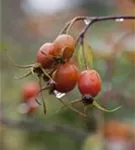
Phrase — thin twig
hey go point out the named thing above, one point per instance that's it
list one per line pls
(83, 52)
(18, 65)
(106, 18)
(42, 97)
(70, 23)
(73, 109)
(78, 18)
(44, 88)
(99, 19)
(23, 76)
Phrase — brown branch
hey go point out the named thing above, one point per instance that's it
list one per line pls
(36, 126)
(83, 53)
(99, 19)
(69, 24)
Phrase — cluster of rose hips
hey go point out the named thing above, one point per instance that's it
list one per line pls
(59, 74)
(55, 69)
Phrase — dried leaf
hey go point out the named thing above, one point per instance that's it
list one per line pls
(104, 109)
(88, 54)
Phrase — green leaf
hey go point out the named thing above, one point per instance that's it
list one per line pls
(104, 109)
(88, 54)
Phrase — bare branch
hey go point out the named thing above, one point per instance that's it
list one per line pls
(36, 126)
(93, 20)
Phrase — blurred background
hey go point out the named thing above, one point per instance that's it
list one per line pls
(25, 26)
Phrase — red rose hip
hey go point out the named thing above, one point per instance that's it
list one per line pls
(66, 77)
(30, 91)
(89, 83)
(65, 42)
(45, 55)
